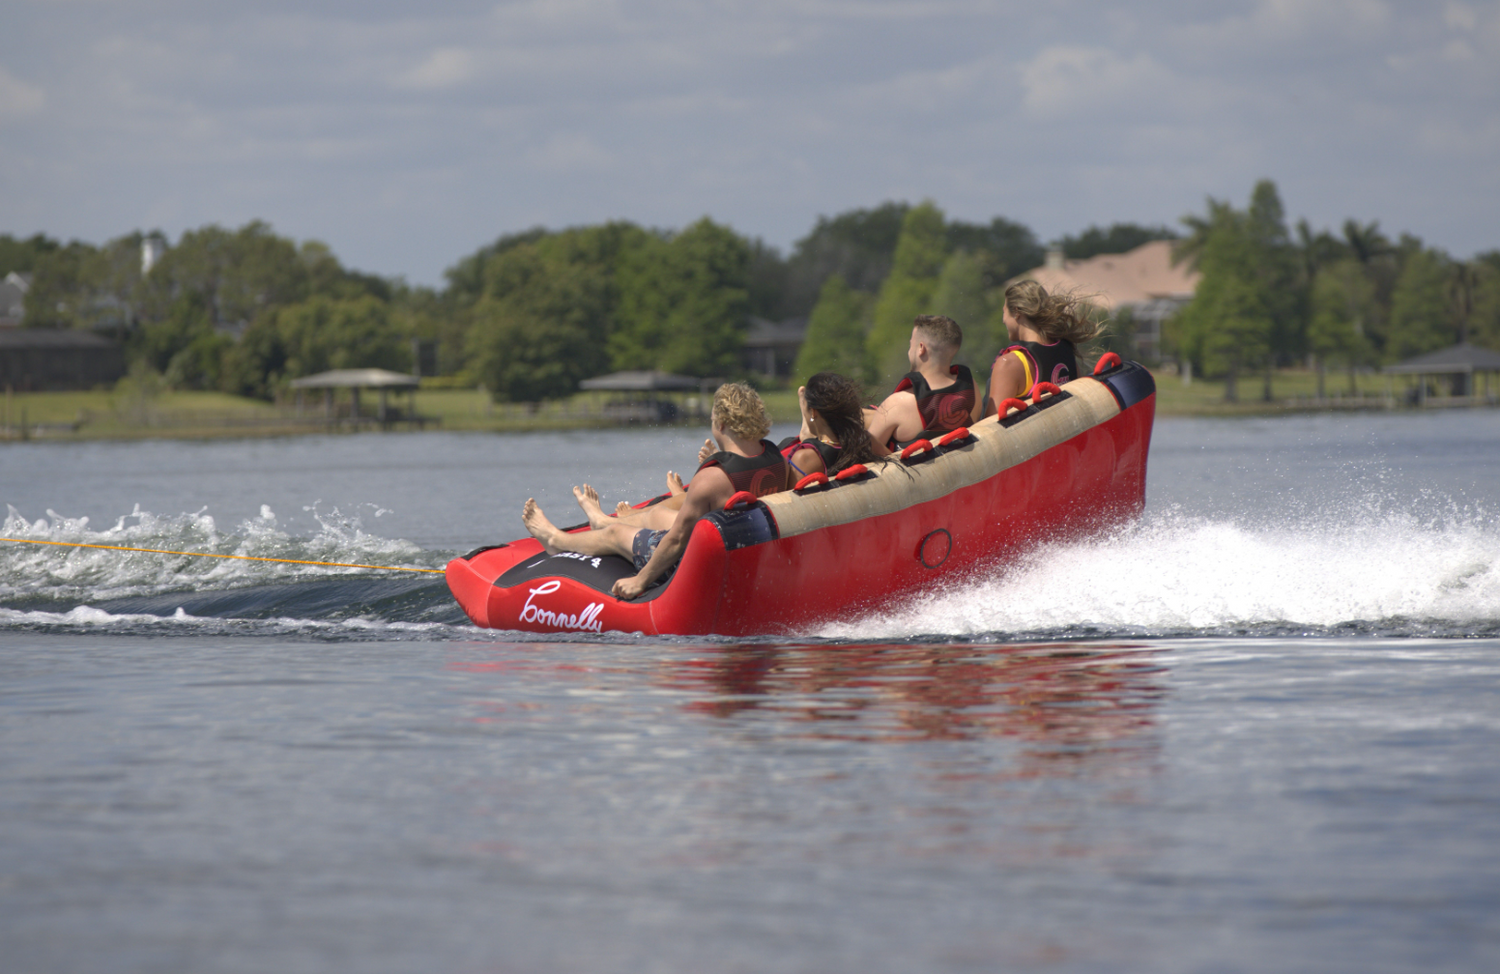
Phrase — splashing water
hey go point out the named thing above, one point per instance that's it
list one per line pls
(92, 589)
(1174, 575)
(1378, 571)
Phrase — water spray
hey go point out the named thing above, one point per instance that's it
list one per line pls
(209, 554)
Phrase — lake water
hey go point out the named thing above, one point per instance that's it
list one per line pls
(1256, 731)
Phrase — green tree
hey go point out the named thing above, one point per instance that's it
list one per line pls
(83, 286)
(858, 245)
(326, 276)
(908, 290)
(20, 255)
(157, 342)
(1278, 273)
(61, 294)
(544, 320)
(425, 314)
(1484, 323)
(466, 281)
(683, 303)
(238, 274)
(256, 364)
(1004, 248)
(961, 294)
(766, 283)
(1250, 305)
(313, 336)
(1343, 305)
(835, 333)
(1421, 319)
(1227, 325)
(324, 333)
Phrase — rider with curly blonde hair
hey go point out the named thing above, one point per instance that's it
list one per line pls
(744, 461)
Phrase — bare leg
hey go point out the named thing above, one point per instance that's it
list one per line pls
(657, 517)
(612, 540)
(588, 499)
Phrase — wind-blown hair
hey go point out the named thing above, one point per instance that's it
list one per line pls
(841, 404)
(1054, 315)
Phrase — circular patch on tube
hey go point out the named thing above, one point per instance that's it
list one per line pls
(935, 548)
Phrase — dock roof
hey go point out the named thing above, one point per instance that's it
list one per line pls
(639, 381)
(1462, 358)
(357, 379)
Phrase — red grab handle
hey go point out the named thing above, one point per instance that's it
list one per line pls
(1040, 388)
(1107, 361)
(811, 480)
(852, 471)
(740, 497)
(1012, 403)
(953, 435)
(917, 446)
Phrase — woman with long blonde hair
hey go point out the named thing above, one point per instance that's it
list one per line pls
(1045, 331)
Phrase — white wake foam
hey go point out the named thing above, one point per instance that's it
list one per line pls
(1174, 574)
(89, 618)
(92, 574)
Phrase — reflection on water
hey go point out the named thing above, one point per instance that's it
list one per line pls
(1066, 704)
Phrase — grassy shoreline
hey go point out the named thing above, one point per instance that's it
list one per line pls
(105, 415)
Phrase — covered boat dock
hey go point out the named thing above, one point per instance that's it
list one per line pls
(641, 399)
(352, 413)
(1460, 364)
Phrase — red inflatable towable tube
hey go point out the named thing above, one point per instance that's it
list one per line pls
(1072, 463)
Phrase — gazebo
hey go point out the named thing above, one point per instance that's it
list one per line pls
(1460, 363)
(354, 380)
(641, 404)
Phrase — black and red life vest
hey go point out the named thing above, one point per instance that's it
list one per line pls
(761, 475)
(827, 452)
(942, 410)
(1055, 363)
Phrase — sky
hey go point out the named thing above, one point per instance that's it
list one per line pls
(406, 135)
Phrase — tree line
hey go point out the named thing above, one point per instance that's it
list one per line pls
(531, 314)
(1271, 296)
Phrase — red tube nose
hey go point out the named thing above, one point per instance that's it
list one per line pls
(471, 590)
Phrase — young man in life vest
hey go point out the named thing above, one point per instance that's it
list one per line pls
(935, 397)
(745, 461)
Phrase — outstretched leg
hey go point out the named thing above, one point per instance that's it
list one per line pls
(588, 499)
(612, 540)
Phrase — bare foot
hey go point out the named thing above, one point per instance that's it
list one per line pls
(541, 529)
(623, 508)
(707, 450)
(588, 499)
(674, 483)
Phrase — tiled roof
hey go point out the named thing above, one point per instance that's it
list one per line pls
(1109, 280)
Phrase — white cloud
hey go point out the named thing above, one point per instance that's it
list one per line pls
(1460, 16)
(464, 123)
(446, 67)
(1297, 17)
(19, 99)
(1071, 79)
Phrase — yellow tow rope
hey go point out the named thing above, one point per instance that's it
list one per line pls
(208, 554)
